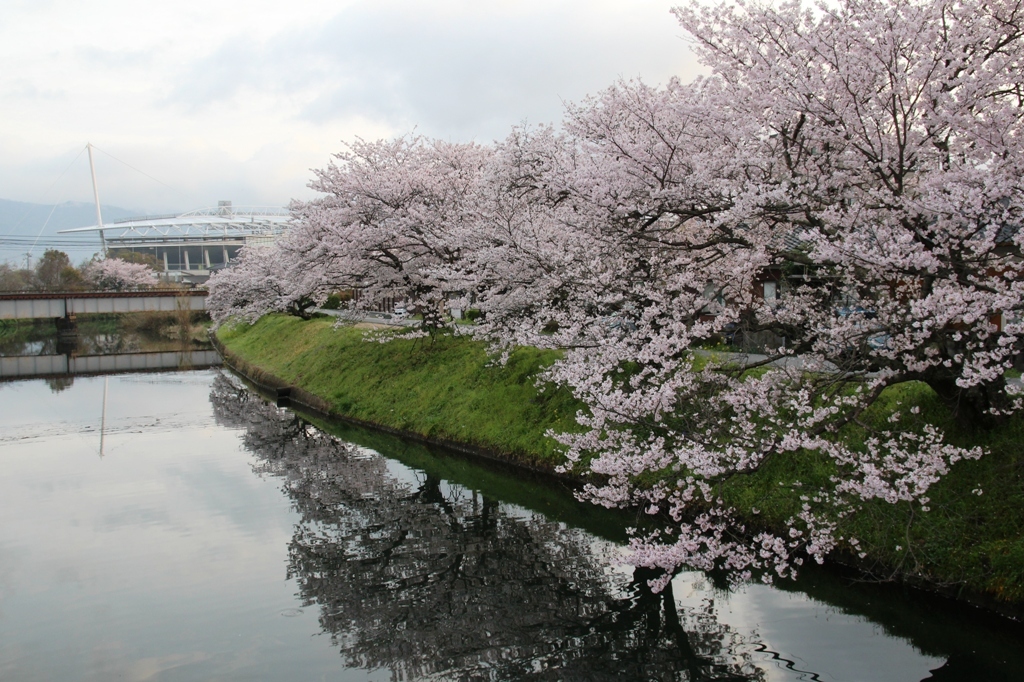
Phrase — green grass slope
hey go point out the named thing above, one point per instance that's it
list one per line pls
(445, 388)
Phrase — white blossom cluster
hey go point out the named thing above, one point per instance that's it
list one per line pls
(118, 275)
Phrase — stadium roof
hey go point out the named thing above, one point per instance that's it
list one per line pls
(220, 221)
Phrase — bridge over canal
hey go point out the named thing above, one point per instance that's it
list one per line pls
(25, 305)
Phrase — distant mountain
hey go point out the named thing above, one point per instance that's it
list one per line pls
(22, 222)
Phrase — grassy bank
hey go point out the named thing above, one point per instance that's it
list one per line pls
(444, 388)
(967, 543)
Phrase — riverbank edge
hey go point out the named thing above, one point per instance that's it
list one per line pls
(289, 394)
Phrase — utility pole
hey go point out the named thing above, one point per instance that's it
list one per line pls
(28, 260)
(96, 196)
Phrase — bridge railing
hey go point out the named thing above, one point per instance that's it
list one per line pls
(24, 294)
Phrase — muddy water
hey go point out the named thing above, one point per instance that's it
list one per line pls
(191, 531)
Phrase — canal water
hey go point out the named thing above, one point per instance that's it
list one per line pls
(175, 526)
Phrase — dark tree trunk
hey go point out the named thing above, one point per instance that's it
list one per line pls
(972, 406)
(303, 308)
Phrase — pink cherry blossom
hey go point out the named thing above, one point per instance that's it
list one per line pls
(118, 275)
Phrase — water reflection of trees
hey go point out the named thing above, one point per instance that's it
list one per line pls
(432, 580)
(43, 340)
(93, 338)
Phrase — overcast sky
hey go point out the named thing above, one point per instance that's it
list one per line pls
(223, 99)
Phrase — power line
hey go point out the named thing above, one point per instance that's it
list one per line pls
(45, 194)
(19, 242)
(173, 189)
(45, 223)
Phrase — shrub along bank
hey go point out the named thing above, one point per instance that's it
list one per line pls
(969, 542)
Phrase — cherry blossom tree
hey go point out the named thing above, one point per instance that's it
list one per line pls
(265, 279)
(389, 219)
(842, 194)
(865, 160)
(893, 168)
(519, 262)
(118, 275)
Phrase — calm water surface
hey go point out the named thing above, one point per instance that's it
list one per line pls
(217, 537)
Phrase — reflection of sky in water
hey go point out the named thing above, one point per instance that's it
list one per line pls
(813, 637)
(166, 559)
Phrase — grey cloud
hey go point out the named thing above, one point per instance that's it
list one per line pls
(405, 65)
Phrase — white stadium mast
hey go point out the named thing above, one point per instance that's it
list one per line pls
(96, 197)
